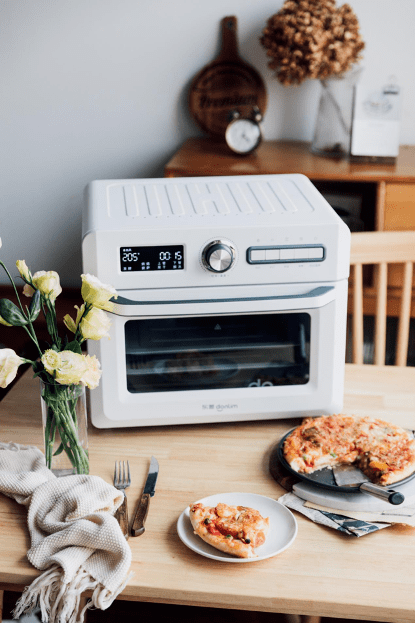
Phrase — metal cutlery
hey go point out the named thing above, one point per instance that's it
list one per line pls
(122, 480)
(352, 476)
(141, 512)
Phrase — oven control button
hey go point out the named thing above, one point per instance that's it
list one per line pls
(258, 255)
(316, 253)
(218, 256)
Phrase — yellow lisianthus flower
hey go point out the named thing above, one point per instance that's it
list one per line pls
(51, 360)
(96, 293)
(23, 269)
(95, 324)
(71, 368)
(66, 367)
(93, 373)
(47, 283)
(9, 363)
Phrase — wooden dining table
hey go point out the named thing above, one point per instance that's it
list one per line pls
(323, 573)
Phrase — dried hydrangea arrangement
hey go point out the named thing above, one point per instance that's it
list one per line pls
(312, 39)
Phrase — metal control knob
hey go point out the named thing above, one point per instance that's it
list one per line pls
(218, 256)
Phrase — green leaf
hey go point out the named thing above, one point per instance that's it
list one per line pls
(74, 346)
(59, 450)
(35, 305)
(12, 314)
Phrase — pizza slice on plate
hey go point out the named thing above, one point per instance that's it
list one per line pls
(236, 530)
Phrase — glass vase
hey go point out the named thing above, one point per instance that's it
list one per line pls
(333, 130)
(64, 421)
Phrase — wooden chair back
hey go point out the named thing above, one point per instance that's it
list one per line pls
(381, 249)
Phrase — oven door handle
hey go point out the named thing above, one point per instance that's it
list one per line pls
(317, 297)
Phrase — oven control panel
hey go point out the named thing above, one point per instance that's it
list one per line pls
(198, 232)
(286, 253)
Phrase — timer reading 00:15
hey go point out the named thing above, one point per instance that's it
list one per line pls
(152, 258)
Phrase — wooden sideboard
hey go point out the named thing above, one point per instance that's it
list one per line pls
(386, 191)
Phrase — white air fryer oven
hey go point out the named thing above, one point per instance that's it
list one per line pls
(232, 299)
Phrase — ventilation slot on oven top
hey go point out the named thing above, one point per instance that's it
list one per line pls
(138, 200)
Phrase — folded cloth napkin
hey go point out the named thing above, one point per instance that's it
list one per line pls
(339, 520)
(75, 539)
(404, 515)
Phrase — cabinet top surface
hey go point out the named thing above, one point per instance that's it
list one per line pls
(204, 156)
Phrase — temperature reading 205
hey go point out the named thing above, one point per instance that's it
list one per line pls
(129, 257)
(133, 259)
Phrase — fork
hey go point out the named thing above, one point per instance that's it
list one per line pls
(122, 480)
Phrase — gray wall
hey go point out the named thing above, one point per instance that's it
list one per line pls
(96, 89)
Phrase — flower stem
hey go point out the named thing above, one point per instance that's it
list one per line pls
(31, 332)
(14, 287)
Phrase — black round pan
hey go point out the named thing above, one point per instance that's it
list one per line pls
(323, 477)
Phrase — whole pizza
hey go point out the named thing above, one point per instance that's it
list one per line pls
(236, 530)
(383, 451)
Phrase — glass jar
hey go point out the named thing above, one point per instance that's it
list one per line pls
(64, 421)
(332, 134)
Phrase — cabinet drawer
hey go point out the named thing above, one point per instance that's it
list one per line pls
(399, 215)
(399, 207)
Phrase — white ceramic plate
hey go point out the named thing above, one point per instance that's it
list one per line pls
(282, 526)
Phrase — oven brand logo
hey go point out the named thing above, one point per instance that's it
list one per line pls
(259, 383)
(219, 407)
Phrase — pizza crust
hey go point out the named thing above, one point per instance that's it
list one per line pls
(383, 451)
(235, 530)
(394, 477)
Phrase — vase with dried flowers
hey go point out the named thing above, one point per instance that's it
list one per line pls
(315, 39)
(62, 368)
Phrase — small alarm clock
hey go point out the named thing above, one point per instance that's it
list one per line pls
(243, 134)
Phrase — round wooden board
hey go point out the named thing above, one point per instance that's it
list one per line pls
(224, 85)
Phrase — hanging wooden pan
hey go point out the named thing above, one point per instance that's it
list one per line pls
(224, 85)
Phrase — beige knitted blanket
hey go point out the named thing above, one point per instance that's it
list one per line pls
(75, 540)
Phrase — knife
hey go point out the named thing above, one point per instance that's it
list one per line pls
(141, 512)
(351, 476)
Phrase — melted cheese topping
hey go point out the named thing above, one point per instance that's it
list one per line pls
(383, 451)
(240, 527)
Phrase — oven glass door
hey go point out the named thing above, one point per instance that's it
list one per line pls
(216, 352)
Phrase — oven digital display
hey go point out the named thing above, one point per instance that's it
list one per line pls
(152, 258)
